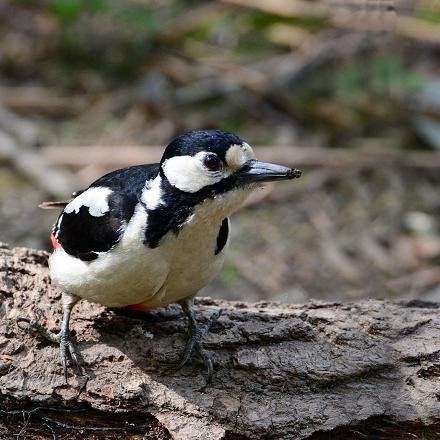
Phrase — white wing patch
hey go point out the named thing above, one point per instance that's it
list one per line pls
(96, 199)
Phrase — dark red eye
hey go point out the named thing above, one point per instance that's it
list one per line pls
(212, 162)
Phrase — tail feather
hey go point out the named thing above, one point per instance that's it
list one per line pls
(54, 205)
(59, 204)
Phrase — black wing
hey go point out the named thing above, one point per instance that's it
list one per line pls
(84, 235)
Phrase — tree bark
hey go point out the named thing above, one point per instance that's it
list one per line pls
(281, 371)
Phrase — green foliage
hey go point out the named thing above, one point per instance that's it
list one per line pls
(429, 10)
(261, 21)
(119, 39)
(68, 10)
(111, 36)
(386, 74)
(355, 97)
(138, 16)
(254, 24)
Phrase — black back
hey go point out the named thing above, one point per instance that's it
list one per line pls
(128, 180)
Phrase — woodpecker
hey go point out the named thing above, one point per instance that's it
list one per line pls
(147, 236)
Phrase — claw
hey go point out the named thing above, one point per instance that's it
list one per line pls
(193, 343)
(209, 367)
(37, 327)
(186, 354)
(64, 361)
(75, 358)
(62, 338)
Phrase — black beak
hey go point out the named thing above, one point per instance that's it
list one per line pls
(254, 171)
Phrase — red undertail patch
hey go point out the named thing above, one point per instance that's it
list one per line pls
(141, 307)
(55, 244)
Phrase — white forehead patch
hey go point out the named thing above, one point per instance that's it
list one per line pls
(188, 173)
(96, 199)
(237, 155)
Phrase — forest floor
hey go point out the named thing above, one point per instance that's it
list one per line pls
(342, 232)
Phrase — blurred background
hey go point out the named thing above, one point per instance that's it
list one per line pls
(347, 90)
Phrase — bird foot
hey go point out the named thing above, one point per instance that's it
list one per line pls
(196, 333)
(62, 339)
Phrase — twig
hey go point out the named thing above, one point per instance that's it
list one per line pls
(38, 411)
(344, 17)
(192, 19)
(34, 166)
(18, 127)
(331, 248)
(41, 100)
(125, 155)
(135, 429)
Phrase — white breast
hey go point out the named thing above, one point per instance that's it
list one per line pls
(192, 259)
(191, 254)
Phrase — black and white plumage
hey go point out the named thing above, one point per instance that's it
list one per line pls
(151, 235)
(94, 221)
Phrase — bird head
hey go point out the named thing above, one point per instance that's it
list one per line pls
(213, 162)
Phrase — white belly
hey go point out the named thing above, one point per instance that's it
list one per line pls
(193, 263)
(133, 273)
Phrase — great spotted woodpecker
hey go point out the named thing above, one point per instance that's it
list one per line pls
(149, 235)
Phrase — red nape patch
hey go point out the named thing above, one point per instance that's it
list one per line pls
(141, 307)
(55, 244)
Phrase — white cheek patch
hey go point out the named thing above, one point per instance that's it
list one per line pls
(188, 174)
(238, 155)
(96, 199)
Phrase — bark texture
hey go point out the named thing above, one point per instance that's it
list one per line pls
(281, 371)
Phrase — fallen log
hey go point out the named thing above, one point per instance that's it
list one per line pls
(281, 371)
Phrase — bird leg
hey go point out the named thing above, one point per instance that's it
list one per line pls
(195, 334)
(63, 337)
